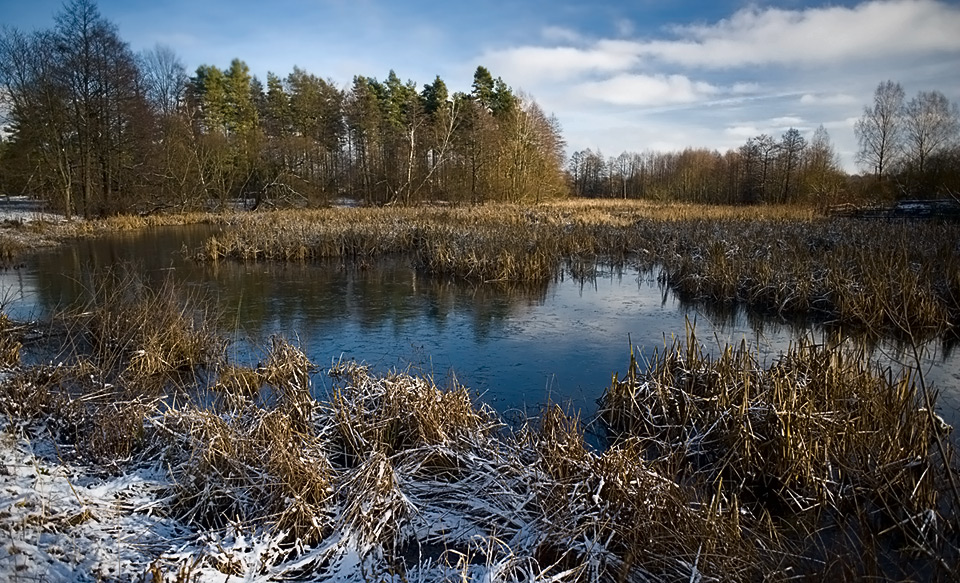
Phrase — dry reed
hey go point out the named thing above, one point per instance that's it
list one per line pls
(817, 436)
(718, 468)
(875, 276)
(9, 342)
(130, 327)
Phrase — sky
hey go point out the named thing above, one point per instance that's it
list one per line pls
(619, 75)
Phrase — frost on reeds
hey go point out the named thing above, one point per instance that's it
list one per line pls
(390, 478)
(252, 459)
(816, 439)
(716, 470)
(887, 278)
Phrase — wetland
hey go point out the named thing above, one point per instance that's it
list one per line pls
(442, 391)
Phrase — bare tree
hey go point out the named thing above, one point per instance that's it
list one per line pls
(792, 145)
(879, 130)
(932, 123)
(165, 78)
(35, 105)
(821, 169)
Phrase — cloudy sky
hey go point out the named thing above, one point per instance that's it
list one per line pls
(619, 75)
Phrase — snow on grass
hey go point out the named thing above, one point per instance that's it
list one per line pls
(64, 523)
(393, 480)
(20, 209)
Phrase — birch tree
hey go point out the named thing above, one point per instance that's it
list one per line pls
(880, 130)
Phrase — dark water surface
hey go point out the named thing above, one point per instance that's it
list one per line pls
(516, 347)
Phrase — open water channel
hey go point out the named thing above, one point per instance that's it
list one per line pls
(516, 348)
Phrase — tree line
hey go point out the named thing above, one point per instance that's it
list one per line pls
(94, 129)
(911, 148)
(788, 170)
(908, 149)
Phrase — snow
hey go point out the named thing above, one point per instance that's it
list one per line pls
(63, 524)
(20, 209)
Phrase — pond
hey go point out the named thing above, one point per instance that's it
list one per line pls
(517, 348)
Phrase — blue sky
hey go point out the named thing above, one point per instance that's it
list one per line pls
(624, 75)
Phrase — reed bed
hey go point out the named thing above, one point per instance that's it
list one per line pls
(9, 342)
(11, 247)
(132, 327)
(716, 468)
(874, 276)
(816, 439)
(891, 278)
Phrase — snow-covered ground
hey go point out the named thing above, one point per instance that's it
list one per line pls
(64, 523)
(21, 209)
(64, 518)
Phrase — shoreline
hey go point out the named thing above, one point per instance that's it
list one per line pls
(106, 477)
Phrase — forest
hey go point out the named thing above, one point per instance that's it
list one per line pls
(93, 129)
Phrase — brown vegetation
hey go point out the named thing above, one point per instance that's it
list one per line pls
(130, 327)
(716, 468)
(875, 276)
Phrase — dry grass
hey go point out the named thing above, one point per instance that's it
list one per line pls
(250, 466)
(400, 413)
(677, 211)
(874, 276)
(11, 247)
(817, 437)
(618, 515)
(9, 342)
(717, 469)
(393, 476)
(131, 327)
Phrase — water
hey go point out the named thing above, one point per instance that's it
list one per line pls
(517, 348)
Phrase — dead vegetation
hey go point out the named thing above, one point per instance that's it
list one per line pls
(716, 469)
(878, 276)
(869, 275)
(817, 442)
(9, 342)
(140, 329)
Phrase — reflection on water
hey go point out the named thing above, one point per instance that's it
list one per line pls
(518, 347)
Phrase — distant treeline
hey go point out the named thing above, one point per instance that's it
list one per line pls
(908, 149)
(763, 170)
(93, 129)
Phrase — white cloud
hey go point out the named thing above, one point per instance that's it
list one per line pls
(743, 131)
(745, 88)
(760, 70)
(556, 63)
(828, 99)
(830, 37)
(786, 121)
(647, 90)
(869, 31)
(560, 34)
(624, 27)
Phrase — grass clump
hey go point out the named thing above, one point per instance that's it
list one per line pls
(91, 420)
(617, 516)
(399, 413)
(10, 344)
(11, 247)
(816, 440)
(133, 328)
(250, 466)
